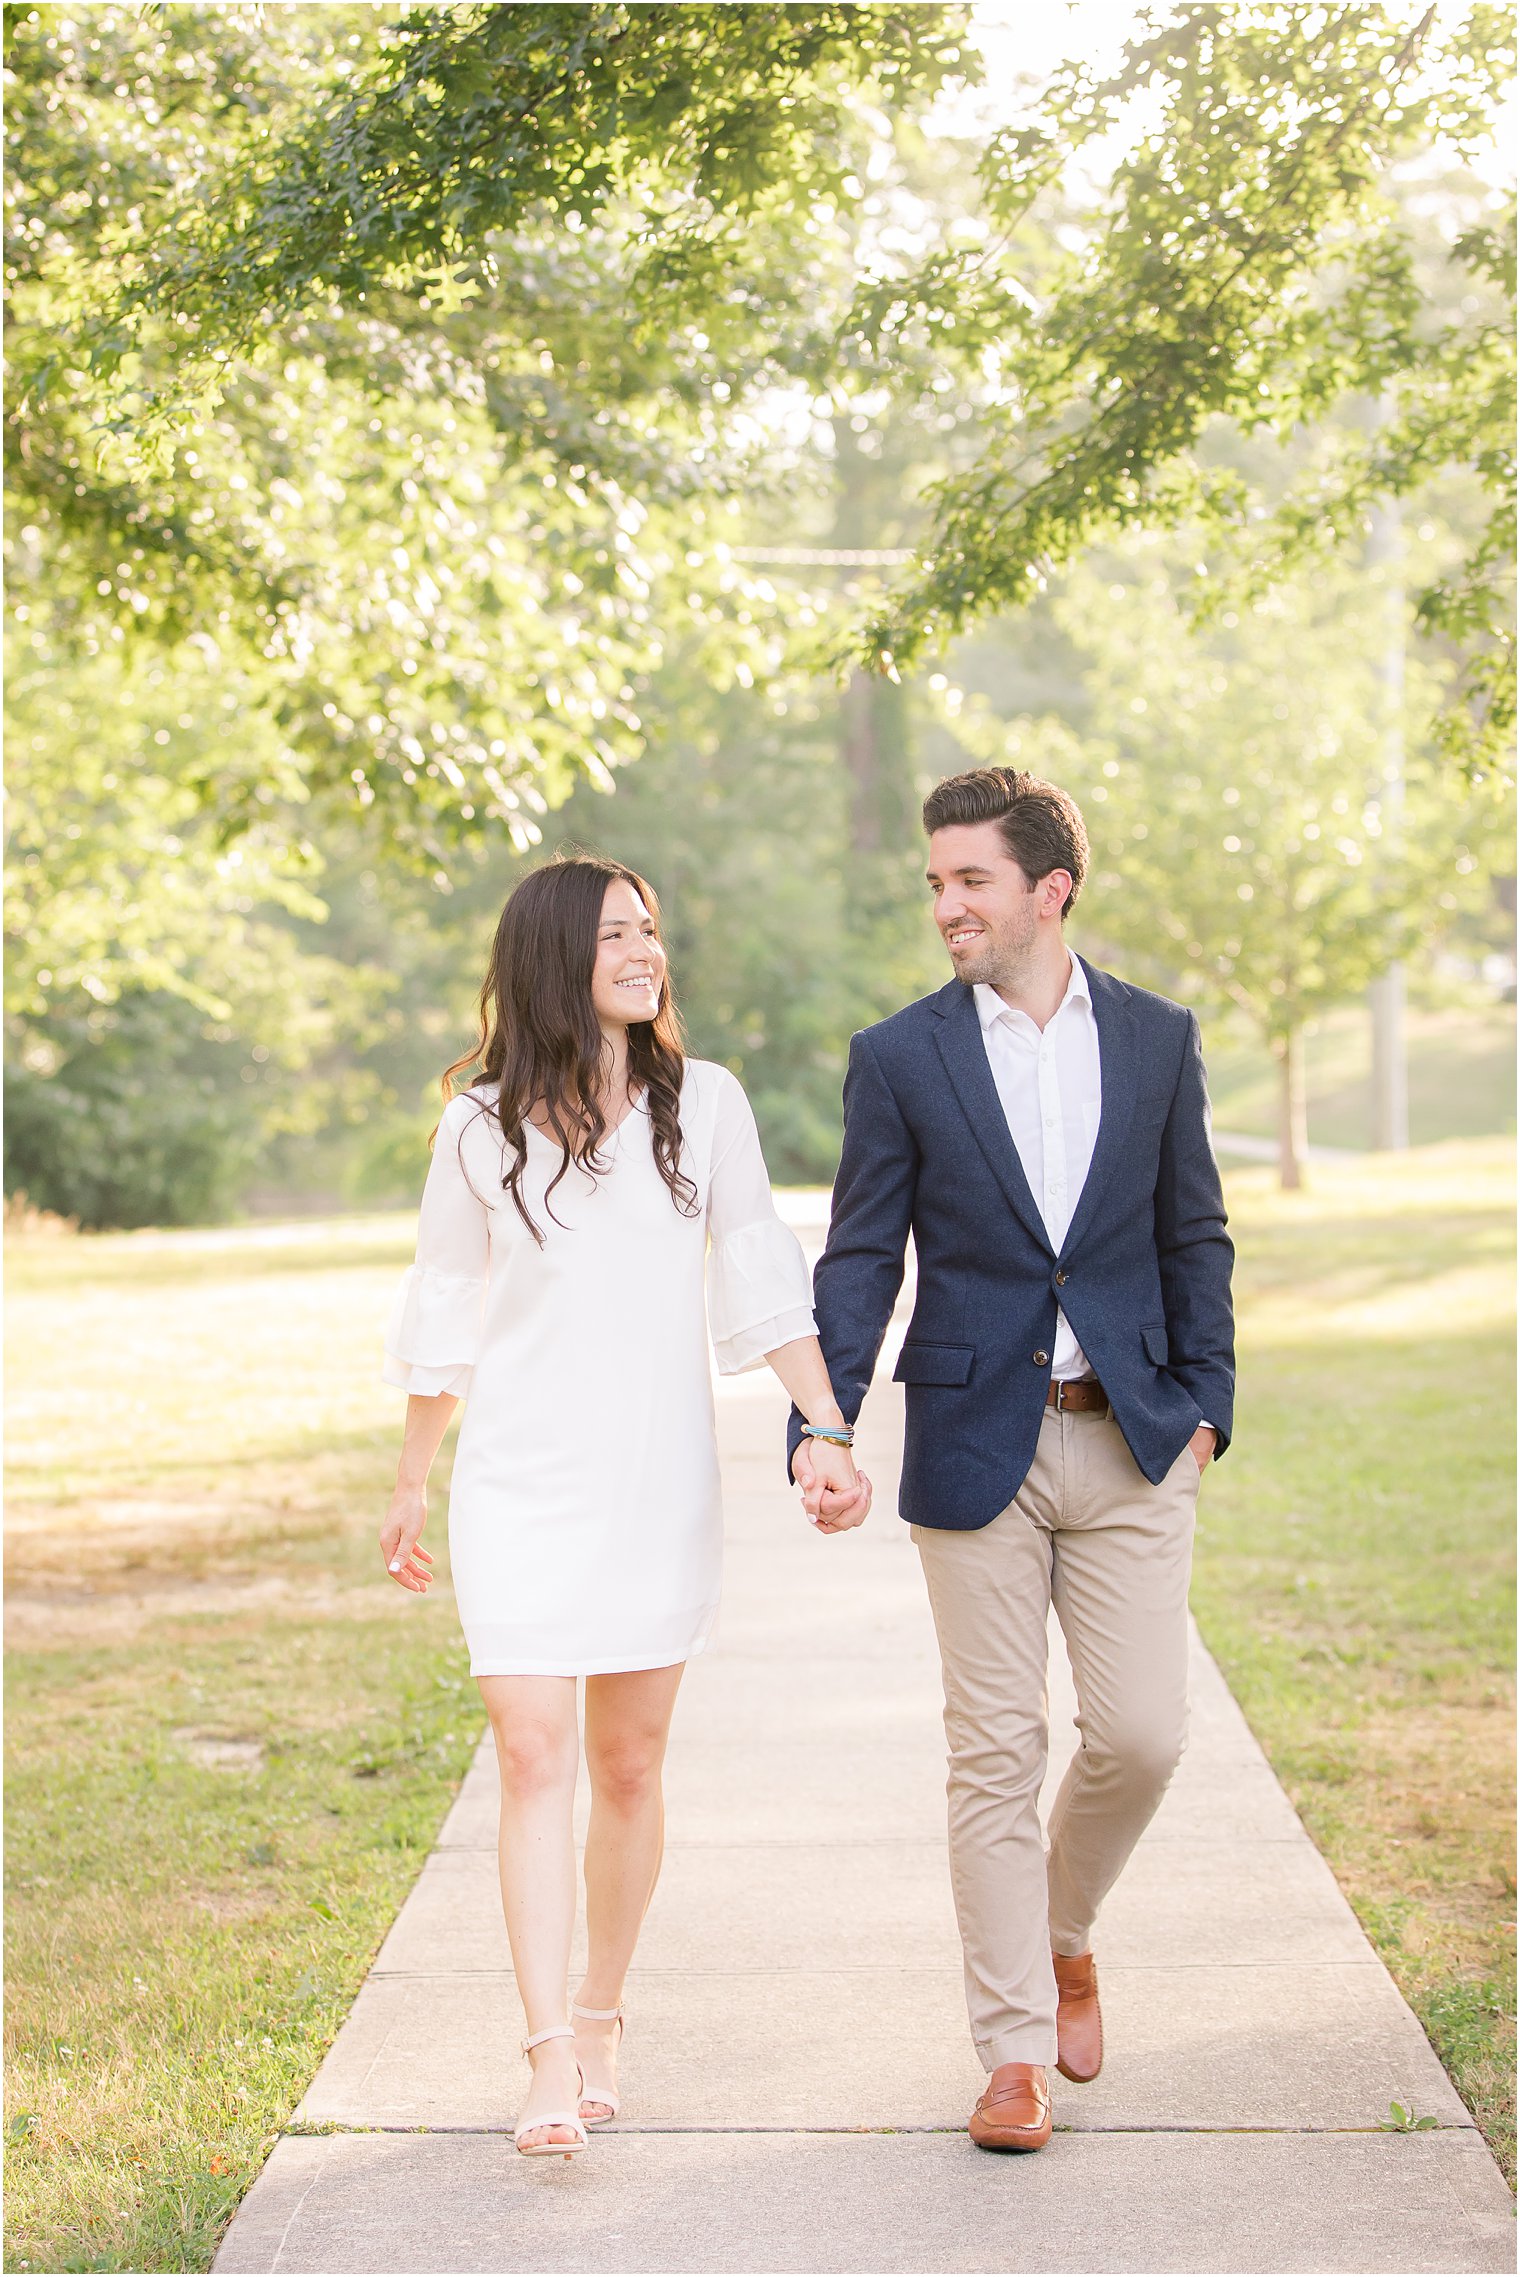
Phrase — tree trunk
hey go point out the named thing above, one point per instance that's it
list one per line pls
(1293, 1115)
(1390, 1055)
(863, 759)
(873, 721)
(1390, 1063)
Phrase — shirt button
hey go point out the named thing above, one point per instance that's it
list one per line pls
(1041, 1359)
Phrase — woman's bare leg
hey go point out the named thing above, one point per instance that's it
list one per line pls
(537, 1753)
(627, 1725)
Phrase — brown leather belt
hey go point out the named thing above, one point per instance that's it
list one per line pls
(1083, 1397)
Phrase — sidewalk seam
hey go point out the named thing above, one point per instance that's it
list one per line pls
(909, 2127)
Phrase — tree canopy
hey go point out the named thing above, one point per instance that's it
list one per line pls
(1247, 848)
(423, 350)
(410, 356)
(406, 402)
(1246, 263)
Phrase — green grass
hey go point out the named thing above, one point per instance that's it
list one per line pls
(1461, 1077)
(231, 1741)
(1355, 1572)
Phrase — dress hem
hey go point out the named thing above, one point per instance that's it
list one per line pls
(619, 1667)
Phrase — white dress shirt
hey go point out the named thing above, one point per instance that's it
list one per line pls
(1050, 1085)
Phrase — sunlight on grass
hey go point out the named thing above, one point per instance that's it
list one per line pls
(1357, 1256)
(1461, 1075)
(1355, 1567)
(230, 1740)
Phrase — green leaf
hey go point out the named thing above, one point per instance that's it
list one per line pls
(1401, 2120)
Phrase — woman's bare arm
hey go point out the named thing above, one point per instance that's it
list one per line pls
(400, 1544)
(831, 1469)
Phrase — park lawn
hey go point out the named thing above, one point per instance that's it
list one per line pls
(231, 1742)
(1354, 1574)
(1461, 1076)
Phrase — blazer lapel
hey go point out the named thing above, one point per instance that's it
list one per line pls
(1118, 1072)
(959, 1037)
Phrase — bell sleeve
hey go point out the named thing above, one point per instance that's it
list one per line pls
(759, 1296)
(433, 1337)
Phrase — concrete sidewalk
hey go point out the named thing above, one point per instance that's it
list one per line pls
(797, 2073)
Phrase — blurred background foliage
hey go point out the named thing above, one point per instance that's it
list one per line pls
(397, 492)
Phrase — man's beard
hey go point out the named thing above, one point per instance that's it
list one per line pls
(997, 964)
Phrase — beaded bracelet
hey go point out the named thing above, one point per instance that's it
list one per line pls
(837, 1434)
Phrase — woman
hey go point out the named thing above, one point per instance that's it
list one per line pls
(574, 1190)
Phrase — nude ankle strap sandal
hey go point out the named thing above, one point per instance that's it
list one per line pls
(602, 2016)
(571, 2119)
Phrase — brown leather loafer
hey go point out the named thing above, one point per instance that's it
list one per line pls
(1079, 2021)
(1014, 2111)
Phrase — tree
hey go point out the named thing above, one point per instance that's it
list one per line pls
(685, 130)
(382, 388)
(741, 816)
(1247, 263)
(164, 1013)
(1231, 780)
(117, 879)
(381, 462)
(412, 355)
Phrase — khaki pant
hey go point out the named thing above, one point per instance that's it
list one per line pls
(1088, 1532)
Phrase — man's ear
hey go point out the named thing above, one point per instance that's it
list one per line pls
(1055, 892)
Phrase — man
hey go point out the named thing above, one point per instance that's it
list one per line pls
(1042, 1130)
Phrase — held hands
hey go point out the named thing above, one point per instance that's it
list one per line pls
(406, 1560)
(834, 1494)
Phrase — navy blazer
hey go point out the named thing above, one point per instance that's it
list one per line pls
(1143, 1275)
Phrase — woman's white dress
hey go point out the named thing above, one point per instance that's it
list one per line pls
(585, 1520)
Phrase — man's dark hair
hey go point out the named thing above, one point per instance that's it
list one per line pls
(1040, 825)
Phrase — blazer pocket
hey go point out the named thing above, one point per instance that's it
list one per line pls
(1154, 1340)
(934, 1364)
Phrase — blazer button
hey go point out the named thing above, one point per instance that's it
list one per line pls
(1039, 1358)
(1061, 1279)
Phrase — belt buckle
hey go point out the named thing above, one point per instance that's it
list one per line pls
(1088, 1383)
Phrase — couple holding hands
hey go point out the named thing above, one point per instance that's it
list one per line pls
(597, 1207)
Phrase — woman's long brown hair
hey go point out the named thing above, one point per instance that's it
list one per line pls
(541, 1042)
